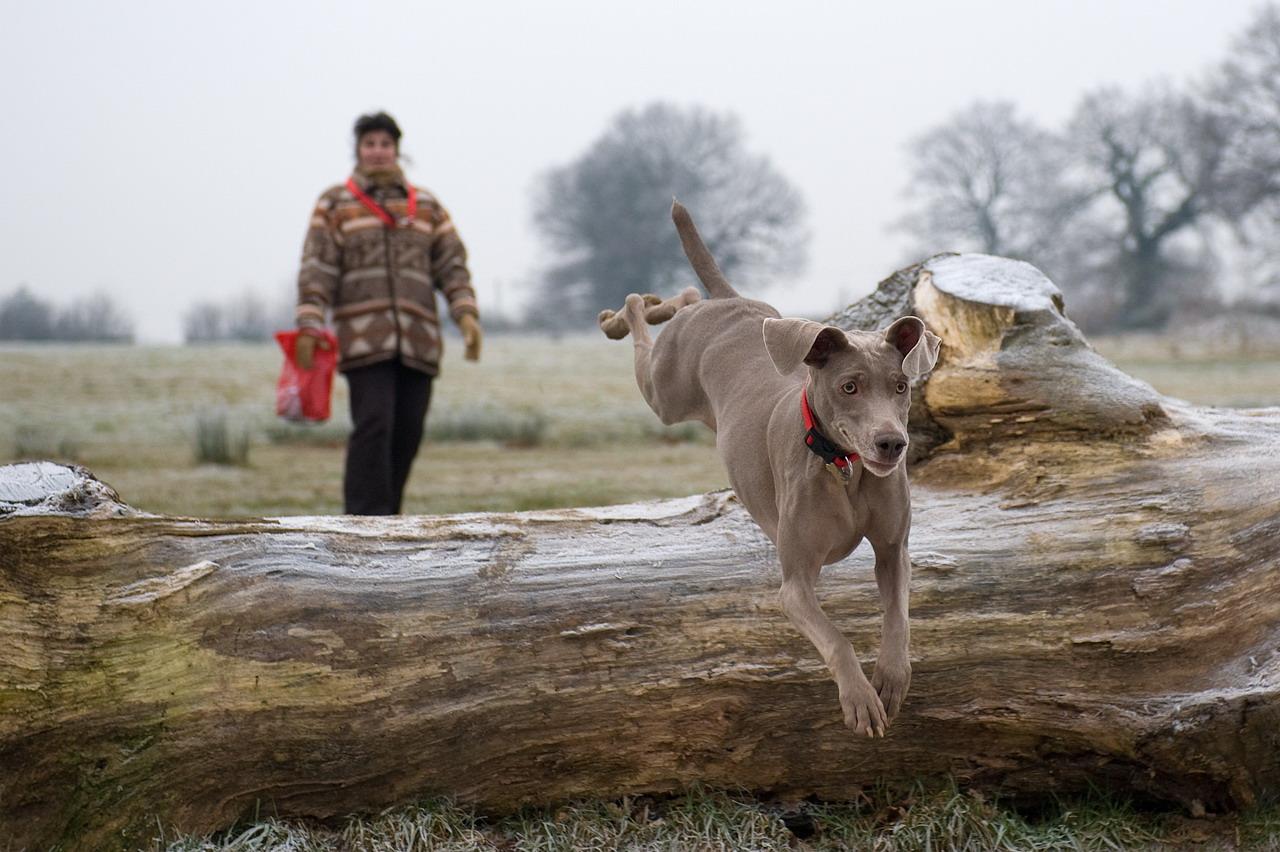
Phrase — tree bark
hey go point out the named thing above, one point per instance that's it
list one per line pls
(1095, 601)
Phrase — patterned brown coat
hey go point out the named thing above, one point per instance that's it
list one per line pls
(378, 283)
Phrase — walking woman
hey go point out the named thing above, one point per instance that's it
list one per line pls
(376, 252)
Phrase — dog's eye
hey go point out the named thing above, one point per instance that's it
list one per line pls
(849, 387)
(902, 387)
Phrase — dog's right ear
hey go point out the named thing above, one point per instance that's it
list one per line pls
(792, 342)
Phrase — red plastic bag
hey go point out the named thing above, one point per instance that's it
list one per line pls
(303, 395)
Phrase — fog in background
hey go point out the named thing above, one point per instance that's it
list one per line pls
(169, 154)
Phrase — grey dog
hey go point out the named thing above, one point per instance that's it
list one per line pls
(811, 423)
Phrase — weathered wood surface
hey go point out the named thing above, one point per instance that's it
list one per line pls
(1096, 599)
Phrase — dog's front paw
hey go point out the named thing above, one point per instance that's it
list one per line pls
(890, 680)
(863, 711)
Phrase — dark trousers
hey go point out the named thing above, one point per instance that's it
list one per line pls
(388, 407)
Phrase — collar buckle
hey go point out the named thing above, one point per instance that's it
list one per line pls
(842, 473)
(837, 462)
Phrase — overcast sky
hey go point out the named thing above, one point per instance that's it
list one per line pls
(170, 152)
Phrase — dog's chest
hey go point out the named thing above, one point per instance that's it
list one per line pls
(848, 515)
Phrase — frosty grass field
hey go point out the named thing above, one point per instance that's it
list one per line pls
(538, 423)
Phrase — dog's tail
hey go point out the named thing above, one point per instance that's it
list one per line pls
(699, 257)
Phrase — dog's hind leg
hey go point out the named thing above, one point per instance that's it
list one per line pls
(633, 315)
(663, 311)
(614, 323)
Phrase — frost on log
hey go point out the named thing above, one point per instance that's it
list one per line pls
(1096, 600)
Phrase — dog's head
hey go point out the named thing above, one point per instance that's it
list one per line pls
(859, 382)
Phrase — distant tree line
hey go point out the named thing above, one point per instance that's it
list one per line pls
(1129, 205)
(244, 317)
(25, 316)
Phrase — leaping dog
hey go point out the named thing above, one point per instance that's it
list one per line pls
(811, 423)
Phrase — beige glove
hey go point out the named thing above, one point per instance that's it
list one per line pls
(471, 335)
(305, 347)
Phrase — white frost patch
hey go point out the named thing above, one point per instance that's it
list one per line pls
(986, 279)
(486, 524)
(648, 511)
(596, 629)
(357, 525)
(152, 589)
(47, 488)
(929, 560)
(483, 529)
(32, 482)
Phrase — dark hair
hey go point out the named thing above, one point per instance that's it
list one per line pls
(377, 121)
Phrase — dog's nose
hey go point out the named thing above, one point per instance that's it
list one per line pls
(890, 444)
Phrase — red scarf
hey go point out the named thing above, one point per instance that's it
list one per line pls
(381, 212)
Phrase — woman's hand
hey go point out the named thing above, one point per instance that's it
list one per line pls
(471, 335)
(304, 349)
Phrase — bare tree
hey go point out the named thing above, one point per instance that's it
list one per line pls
(203, 323)
(1156, 163)
(245, 317)
(1244, 94)
(1126, 208)
(988, 180)
(95, 317)
(25, 317)
(606, 213)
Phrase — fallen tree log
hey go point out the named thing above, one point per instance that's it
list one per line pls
(1096, 600)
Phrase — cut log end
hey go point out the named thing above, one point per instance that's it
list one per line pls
(49, 488)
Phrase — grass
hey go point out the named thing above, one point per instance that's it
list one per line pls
(525, 427)
(538, 423)
(1231, 382)
(32, 442)
(1208, 373)
(938, 818)
(218, 442)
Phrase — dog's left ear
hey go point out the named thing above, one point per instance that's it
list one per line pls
(792, 342)
(918, 345)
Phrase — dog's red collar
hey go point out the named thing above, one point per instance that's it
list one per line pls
(821, 445)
